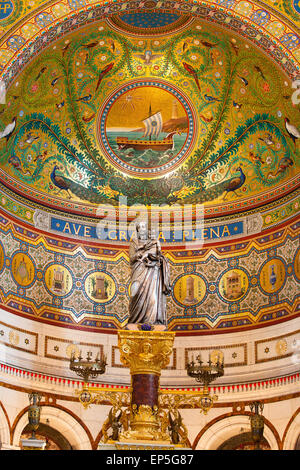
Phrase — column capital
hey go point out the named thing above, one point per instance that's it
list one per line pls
(145, 352)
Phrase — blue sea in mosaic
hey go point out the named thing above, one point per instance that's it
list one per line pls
(148, 158)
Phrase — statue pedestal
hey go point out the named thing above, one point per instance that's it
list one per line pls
(32, 444)
(146, 353)
(136, 327)
(141, 445)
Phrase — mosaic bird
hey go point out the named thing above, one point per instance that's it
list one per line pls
(148, 56)
(256, 158)
(292, 130)
(234, 183)
(205, 118)
(85, 99)
(259, 70)
(244, 80)
(60, 105)
(207, 44)
(192, 72)
(16, 163)
(112, 45)
(41, 156)
(53, 83)
(66, 184)
(30, 138)
(103, 73)
(43, 70)
(268, 140)
(9, 130)
(62, 183)
(236, 105)
(65, 48)
(91, 45)
(234, 47)
(184, 46)
(216, 190)
(88, 118)
(284, 163)
(211, 99)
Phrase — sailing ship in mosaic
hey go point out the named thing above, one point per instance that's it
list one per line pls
(153, 128)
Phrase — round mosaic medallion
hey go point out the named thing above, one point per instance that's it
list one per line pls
(272, 276)
(281, 346)
(58, 280)
(149, 21)
(296, 5)
(100, 287)
(146, 128)
(22, 269)
(297, 264)
(233, 284)
(189, 289)
(72, 350)
(6, 9)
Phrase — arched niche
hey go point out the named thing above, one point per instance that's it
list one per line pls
(228, 427)
(54, 439)
(60, 420)
(292, 437)
(242, 441)
(4, 429)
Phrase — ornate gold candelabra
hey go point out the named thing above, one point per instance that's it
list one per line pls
(88, 369)
(205, 374)
(257, 423)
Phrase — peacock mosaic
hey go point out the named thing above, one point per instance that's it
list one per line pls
(171, 104)
(194, 117)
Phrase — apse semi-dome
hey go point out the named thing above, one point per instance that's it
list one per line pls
(189, 112)
(224, 105)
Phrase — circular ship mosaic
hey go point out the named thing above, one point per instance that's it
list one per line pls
(146, 128)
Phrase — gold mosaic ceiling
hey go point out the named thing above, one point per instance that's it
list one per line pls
(152, 103)
(220, 108)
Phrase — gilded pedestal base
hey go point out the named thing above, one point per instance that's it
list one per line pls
(32, 444)
(146, 353)
(140, 445)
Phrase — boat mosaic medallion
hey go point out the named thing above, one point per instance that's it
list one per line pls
(147, 128)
